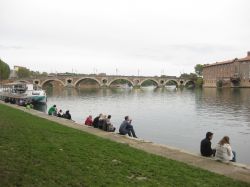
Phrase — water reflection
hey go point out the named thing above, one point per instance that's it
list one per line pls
(176, 117)
(233, 103)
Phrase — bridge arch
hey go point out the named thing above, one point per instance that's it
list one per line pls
(153, 80)
(84, 78)
(120, 78)
(188, 81)
(50, 80)
(171, 80)
(36, 81)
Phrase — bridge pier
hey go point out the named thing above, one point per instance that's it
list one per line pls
(137, 86)
(160, 86)
(104, 86)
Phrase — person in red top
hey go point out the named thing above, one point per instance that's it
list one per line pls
(89, 121)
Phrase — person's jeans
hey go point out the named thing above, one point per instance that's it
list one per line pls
(130, 130)
(234, 157)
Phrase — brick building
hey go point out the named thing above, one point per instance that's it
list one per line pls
(230, 73)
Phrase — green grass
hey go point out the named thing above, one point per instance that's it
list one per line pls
(38, 152)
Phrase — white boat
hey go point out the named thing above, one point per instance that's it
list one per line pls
(28, 92)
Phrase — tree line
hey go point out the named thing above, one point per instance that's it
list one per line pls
(21, 73)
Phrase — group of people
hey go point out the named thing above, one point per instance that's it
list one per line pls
(104, 122)
(222, 151)
(21, 102)
(59, 113)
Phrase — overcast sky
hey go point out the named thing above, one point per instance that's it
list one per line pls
(149, 37)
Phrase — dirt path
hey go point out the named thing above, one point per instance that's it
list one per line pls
(233, 170)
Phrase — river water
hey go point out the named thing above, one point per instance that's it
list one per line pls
(174, 117)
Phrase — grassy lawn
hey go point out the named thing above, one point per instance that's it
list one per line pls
(37, 152)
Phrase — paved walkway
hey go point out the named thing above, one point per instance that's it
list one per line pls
(233, 170)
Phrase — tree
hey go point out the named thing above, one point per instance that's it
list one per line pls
(199, 82)
(4, 70)
(198, 69)
(23, 72)
(190, 76)
(44, 74)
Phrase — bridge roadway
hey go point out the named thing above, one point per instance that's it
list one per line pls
(106, 80)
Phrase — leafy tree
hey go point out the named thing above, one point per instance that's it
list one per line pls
(199, 82)
(190, 76)
(184, 76)
(4, 70)
(23, 73)
(44, 74)
(198, 69)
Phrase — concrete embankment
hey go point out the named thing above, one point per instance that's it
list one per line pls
(232, 170)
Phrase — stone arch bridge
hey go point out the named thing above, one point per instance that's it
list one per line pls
(106, 81)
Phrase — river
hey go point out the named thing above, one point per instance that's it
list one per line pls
(174, 117)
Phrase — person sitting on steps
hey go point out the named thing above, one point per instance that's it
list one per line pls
(52, 110)
(224, 151)
(67, 115)
(205, 147)
(96, 121)
(88, 121)
(127, 128)
(60, 113)
(110, 127)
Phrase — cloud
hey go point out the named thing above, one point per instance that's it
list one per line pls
(5, 47)
(128, 35)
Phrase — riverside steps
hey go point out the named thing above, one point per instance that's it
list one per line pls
(233, 170)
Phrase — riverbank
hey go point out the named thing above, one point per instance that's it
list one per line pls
(39, 152)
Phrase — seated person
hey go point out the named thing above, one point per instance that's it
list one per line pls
(88, 121)
(12, 101)
(127, 128)
(224, 151)
(110, 127)
(102, 122)
(60, 113)
(21, 102)
(96, 121)
(67, 115)
(52, 110)
(29, 106)
(205, 147)
(6, 100)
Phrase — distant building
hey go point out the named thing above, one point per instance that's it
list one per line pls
(230, 73)
(13, 72)
(16, 68)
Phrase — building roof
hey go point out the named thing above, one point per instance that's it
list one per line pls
(247, 58)
(220, 63)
